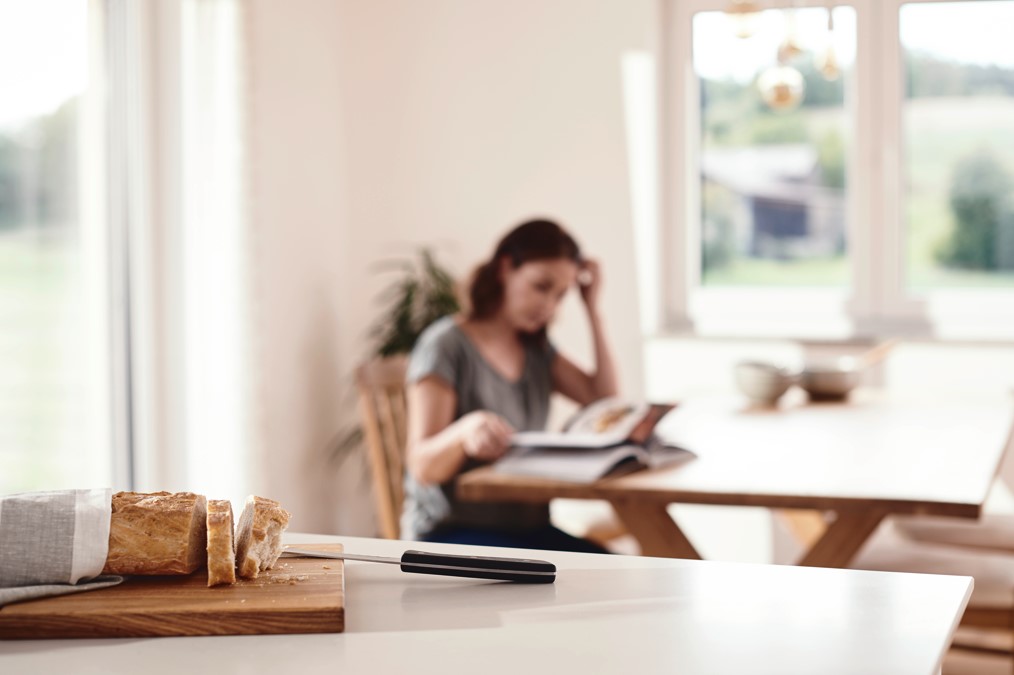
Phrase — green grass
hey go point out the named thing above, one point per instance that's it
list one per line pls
(42, 363)
(758, 272)
(939, 277)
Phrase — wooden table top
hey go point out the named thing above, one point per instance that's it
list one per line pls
(903, 456)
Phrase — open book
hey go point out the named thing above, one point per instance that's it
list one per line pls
(610, 436)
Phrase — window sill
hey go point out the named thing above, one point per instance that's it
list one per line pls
(960, 316)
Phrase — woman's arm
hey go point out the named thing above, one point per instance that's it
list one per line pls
(437, 445)
(568, 379)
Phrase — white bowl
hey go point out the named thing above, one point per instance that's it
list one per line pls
(763, 383)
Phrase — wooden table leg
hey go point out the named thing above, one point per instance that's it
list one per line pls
(842, 539)
(655, 530)
(805, 526)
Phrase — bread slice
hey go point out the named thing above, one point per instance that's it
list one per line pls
(157, 533)
(221, 552)
(259, 536)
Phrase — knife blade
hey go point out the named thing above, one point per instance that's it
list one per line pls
(519, 570)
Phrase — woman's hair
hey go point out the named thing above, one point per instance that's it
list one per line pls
(533, 240)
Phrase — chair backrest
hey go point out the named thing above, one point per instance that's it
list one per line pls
(381, 385)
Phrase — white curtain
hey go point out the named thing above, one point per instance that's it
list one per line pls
(189, 297)
(214, 249)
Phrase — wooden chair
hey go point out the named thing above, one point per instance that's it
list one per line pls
(991, 532)
(988, 622)
(381, 386)
(982, 548)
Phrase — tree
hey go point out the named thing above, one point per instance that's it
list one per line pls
(982, 215)
(38, 170)
(831, 156)
(10, 214)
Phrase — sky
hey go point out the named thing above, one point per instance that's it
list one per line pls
(973, 32)
(43, 56)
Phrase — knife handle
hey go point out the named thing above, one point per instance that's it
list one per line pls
(477, 567)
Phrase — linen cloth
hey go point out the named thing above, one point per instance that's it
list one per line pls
(53, 543)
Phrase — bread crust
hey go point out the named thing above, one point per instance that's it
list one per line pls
(221, 549)
(258, 536)
(157, 533)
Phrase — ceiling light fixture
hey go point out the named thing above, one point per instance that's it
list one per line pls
(781, 87)
(743, 14)
(826, 61)
(789, 48)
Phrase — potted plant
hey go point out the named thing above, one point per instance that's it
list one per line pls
(422, 292)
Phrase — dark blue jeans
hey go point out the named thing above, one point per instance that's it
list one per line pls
(548, 538)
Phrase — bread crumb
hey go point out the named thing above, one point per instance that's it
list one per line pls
(244, 600)
(287, 578)
(327, 567)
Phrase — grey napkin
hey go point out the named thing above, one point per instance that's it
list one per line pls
(52, 543)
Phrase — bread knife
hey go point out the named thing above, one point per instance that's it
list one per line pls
(520, 570)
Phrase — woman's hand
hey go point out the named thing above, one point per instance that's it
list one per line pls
(485, 435)
(589, 280)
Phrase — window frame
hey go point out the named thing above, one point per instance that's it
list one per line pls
(877, 302)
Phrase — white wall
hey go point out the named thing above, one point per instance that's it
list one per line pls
(380, 126)
(301, 242)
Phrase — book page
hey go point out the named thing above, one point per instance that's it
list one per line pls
(589, 464)
(584, 466)
(607, 422)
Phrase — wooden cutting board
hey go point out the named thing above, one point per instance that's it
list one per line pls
(300, 595)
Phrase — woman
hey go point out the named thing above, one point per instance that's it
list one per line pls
(475, 379)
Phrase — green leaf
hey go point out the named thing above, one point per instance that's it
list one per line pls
(423, 293)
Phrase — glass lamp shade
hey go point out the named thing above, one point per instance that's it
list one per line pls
(744, 15)
(789, 47)
(827, 63)
(788, 50)
(781, 87)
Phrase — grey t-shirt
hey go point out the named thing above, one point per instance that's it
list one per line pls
(444, 351)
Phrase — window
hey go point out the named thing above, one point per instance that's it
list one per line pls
(55, 359)
(772, 181)
(958, 121)
(120, 162)
(842, 171)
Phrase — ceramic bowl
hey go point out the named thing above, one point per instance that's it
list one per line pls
(831, 381)
(763, 383)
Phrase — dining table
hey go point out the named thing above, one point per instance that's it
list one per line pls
(603, 614)
(853, 462)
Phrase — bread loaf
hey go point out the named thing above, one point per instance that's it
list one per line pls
(259, 536)
(221, 552)
(157, 533)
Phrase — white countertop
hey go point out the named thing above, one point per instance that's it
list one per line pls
(604, 614)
